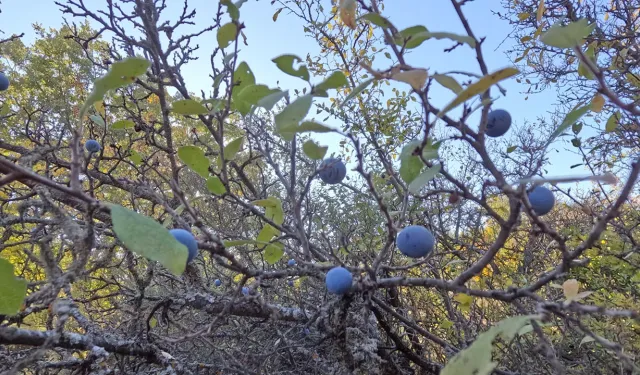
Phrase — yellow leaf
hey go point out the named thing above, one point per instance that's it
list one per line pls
(523, 16)
(597, 103)
(570, 288)
(100, 108)
(416, 78)
(606, 16)
(348, 13)
(479, 87)
(540, 11)
(463, 299)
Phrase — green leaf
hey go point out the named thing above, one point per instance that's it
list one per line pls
(306, 126)
(232, 8)
(424, 177)
(270, 100)
(511, 149)
(612, 122)
(357, 90)
(215, 185)
(569, 120)
(448, 82)
(313, 150)
(169, 220)
(291, 116)
(267, 233)
(273, 209)
(226, 34)
(567, 36)
(12, 289)
(583, 69)
(123, 124)
(410, 165)
(465, 39)
(121, 73)
(285, 64)
(145, 236)
(188, 107)
(242, 77)
(476, 88)
(334, 81)
(232, 149)
(97, 119)
(411, 37)
(135, 157)
(476, 359)
(376, 19)
(194, 158)
(249, 96)
(273, 253)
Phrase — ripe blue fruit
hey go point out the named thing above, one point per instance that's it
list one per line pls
(338, 280)
(306, 331)
(290, 282)
(291, 262)
(499, 121)
(186, 238)
(92, 145)
(542, 200)
(4, 82)
(332, 171)
(217, 282)
(415, 241)
(245, 290)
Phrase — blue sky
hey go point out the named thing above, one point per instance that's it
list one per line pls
(268, 39)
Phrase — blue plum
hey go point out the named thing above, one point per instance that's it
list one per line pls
(498, 123)
(245, 290)
(338, 280)
(332, 171)
(290, 282)
(186, 238)
(542, 200)
(4, 82)
(291, 262)
(92, 146)
(415, 241)
(217, 282)
(306, 331)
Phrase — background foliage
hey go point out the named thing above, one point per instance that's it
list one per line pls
(91, 282)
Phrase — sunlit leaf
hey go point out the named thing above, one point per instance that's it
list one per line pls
(188, 107)
(482, 85)
(416, 78)
(597, 103)
(215, 185)
(540, 11)
(567, 36)
(195, 159)
(334, 81)
(123, 124)
(226, 34)
(232, 149)
(476, 359)
(273, 253)
(376, 19)
(12, 289)
(612, 122)
(570, 288)
(145, 236)
(347, 12)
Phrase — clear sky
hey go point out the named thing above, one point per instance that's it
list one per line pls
(267, 40)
